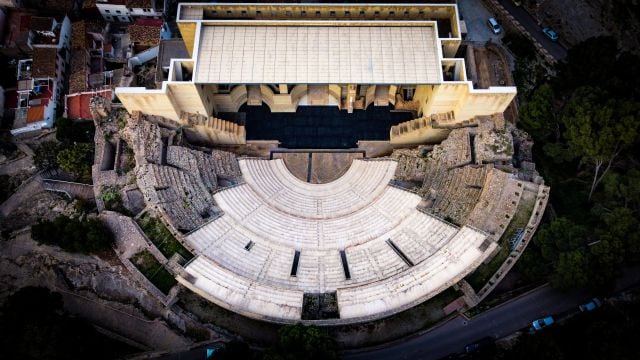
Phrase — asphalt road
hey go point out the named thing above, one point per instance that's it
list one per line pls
(475, 16)
(529, 23)
(497, 322)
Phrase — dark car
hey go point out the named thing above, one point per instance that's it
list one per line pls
(483, 344)
(540, 324)
(591, 305)
(551, 34)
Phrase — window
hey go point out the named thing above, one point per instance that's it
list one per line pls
(118, 12)
(107, 11)
(229, 12)
(421, 13)
(347, 13)
(303, 13)
(392, 13)
(244, 13)
(406, 14)
(361, 13)
(376, 14)
(317, 13)
(407, 93)
(258, 13)
(288, 13)
(332, 13)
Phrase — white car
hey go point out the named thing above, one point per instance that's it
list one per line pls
(494, 26)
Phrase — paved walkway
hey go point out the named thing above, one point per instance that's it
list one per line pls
(73, 189)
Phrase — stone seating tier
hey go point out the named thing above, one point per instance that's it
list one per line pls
(380, 282)
(271, 180)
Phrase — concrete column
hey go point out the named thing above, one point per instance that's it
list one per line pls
(351, 97)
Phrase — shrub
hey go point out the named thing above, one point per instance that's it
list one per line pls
(88, 236)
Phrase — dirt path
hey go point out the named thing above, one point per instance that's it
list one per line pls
(22, 195)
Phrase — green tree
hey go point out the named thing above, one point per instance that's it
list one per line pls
(539, 115)
(623, 189)
(302, 342)
(598, 128)
(559, 236)
(45, 155)
(571, 270)
(621, 234)
(77, 160)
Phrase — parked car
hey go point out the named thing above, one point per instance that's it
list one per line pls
(591, 305)
(494, 26)
(540, 324)
(551, 34)
(479, 345)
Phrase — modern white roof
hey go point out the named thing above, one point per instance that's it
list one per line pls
(318, 55)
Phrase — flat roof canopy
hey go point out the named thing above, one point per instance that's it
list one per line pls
(318, 55)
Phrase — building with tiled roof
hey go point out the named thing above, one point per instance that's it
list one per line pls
(88, 44)
(78, 71)
(145, 35)
(77, 105)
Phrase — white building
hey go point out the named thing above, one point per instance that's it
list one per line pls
(129, 10)
(41, 78)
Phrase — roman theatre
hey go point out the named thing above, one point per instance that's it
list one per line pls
(435, 186)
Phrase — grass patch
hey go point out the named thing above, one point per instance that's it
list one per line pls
(484, 272)
(153, 270)
(162, 238)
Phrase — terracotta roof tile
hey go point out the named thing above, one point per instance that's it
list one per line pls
(78, 35)
(44, 62)
(144, 35)
(78, 105)
(79, 71)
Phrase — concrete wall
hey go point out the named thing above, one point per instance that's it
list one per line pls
(152, 102)
(463, 100)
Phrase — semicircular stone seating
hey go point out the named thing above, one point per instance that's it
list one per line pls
(280, 238)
